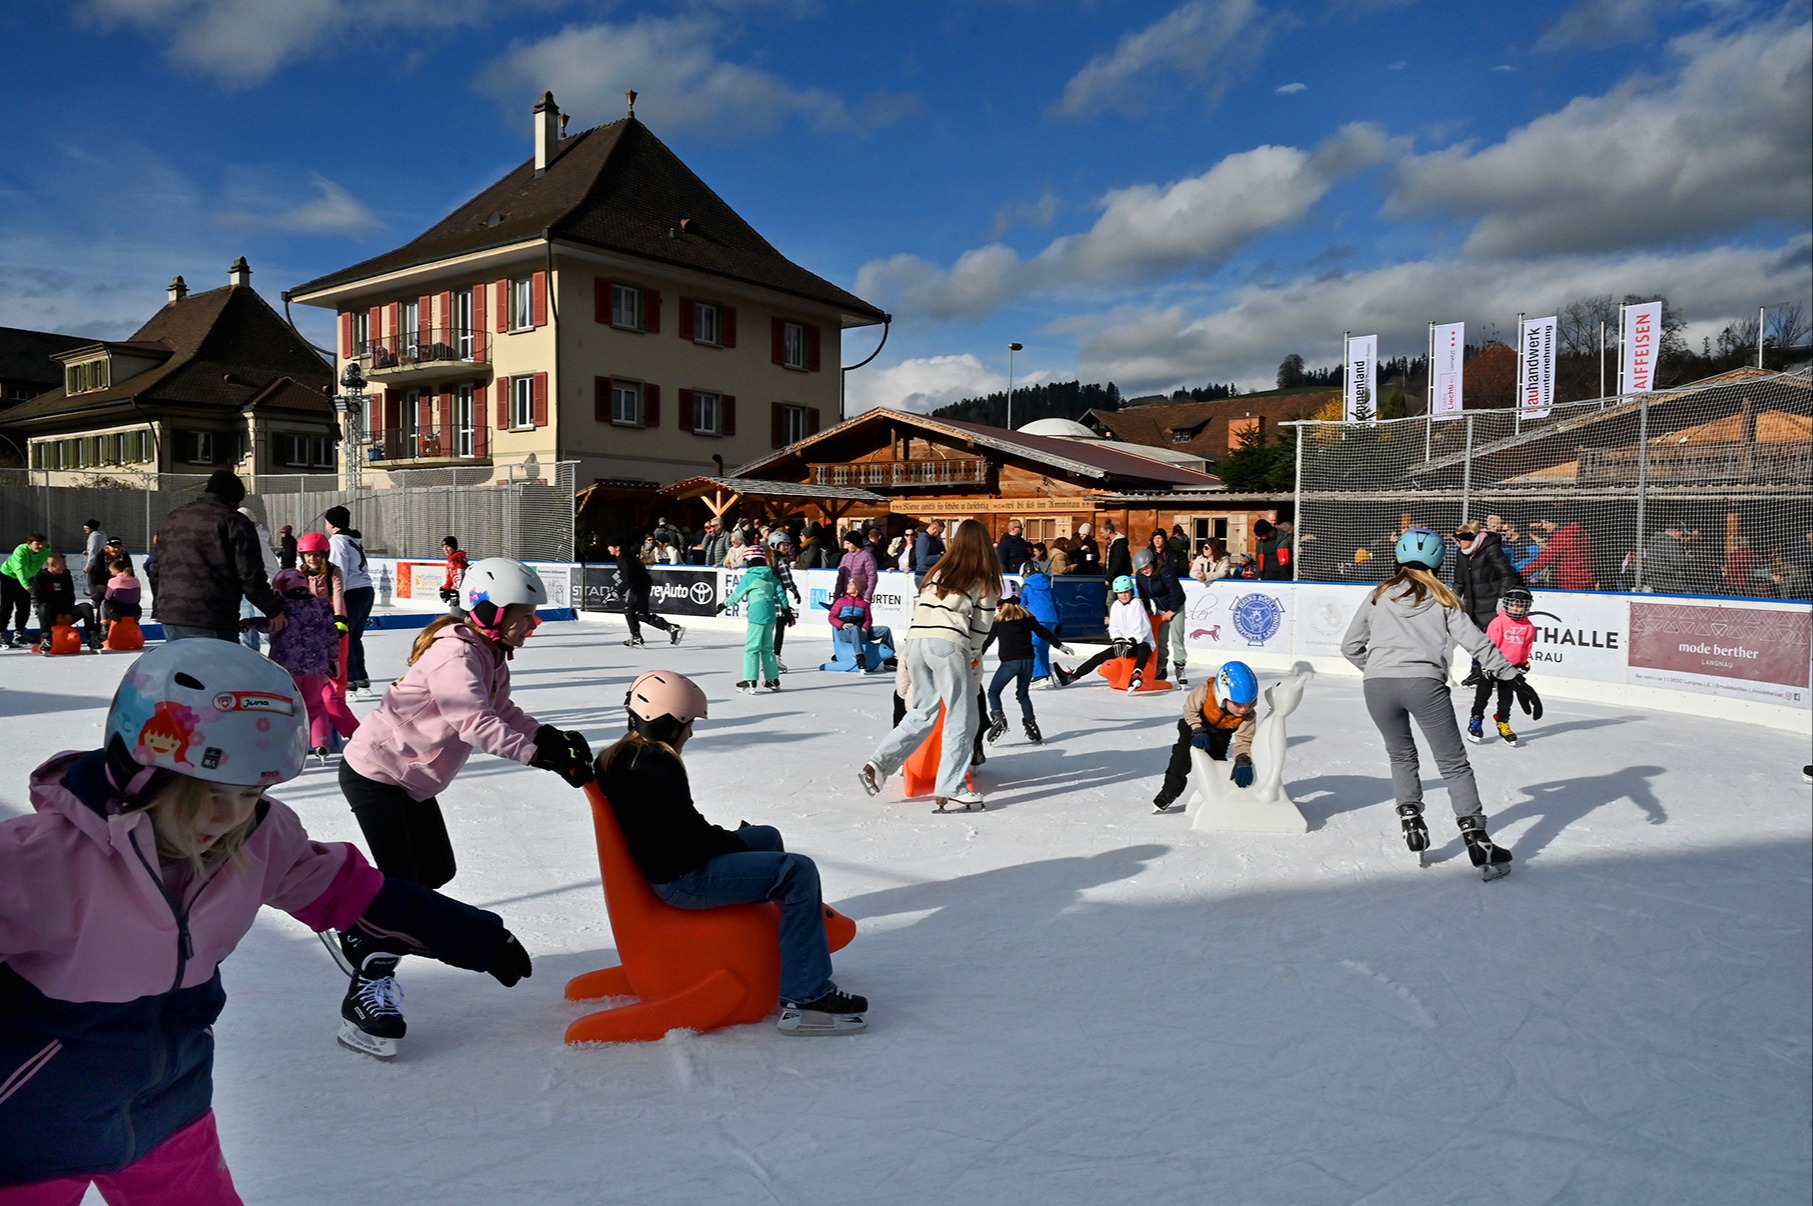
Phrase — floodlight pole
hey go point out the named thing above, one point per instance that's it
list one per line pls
(1011, 349)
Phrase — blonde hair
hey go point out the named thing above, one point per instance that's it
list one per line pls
(426, 638)
(1418, 584)
(1010, 610)
(969, 564)
(180, 802)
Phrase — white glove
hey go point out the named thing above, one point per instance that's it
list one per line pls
(1066, 650)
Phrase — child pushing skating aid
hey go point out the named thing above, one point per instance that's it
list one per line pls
(1217, 719)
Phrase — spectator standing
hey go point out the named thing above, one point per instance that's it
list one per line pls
(1179, 548)
(1272, 552)
(94, 561)
(1211, 564)
(1569, 550)
(716, 542)
(1012, 550)
(878, 546)
(666, 533)
(1059, 560)
(858, 566)
(928, 547)
(1085, 554)
(1665, 562)
(346, 549)
(15, 587)
(286, 548)
(1117, 558)
(208, 558)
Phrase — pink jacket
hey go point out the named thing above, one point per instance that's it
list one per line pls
(1514, 638)
(455, 698)
(83, 916)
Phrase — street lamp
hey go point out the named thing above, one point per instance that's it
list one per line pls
(349, 404)
(1011, 349)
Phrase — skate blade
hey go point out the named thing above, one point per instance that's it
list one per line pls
(1492, 871)
(805, 1023)
(355, 1039)
(870, 785)
(331, 940)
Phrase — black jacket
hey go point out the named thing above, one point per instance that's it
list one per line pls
(652, 799)
(1120, 558)
(1274, 556)
(632, 575)
(53, 595)
(1015, 638)
(208, 555)
(1482, 577)
(1160, 590)
(1085, 556)
(1012, 551)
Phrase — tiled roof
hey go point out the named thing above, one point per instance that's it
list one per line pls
(620, 188)
(756, 487)
(1206, 422)
(26, 355)
(227, 348)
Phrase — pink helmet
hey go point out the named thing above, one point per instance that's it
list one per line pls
(662, 703)
(289, 580)
(311, 542)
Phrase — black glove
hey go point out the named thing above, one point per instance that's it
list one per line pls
(512, 962)
(340, 623)
(566, 754)
(1243, 770)
(789, 618)
(1474, 677)
(1527, 699)
(718, 610)
(449, 595)
(1199, 739)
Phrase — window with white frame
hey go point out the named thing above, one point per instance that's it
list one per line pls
(522, 401)
(462, 324)
(408, 424)
(321, 452)
(361, 332)
(464, 438)
(793, 345)
(147, 446)
(707, 413)
(708, 323)
(522, 304)
(412, 327)
(626, 403)
(794, 424)
(198, 448)
(86, 376)
(626, 307)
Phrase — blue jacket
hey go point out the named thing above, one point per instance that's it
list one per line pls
(1160, 590)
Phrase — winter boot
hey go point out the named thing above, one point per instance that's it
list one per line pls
(834, 1013)
(6, 639)
(1032, 733)
(997, 726)
(1492, 859)
(1416, 834)
(1476, 729)
(1504, 731)
(371, 1015)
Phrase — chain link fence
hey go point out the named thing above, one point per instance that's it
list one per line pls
(1707, 489)
(522, 511)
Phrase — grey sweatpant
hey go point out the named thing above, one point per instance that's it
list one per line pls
(1392, 702)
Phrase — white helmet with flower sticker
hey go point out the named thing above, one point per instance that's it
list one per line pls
(212, 710)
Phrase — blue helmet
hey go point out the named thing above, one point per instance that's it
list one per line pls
(1421, 546)
(1237, 684)
(1122, 583)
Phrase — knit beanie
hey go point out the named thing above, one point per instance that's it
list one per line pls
(225, 485)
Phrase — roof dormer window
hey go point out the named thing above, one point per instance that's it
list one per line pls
(85, 377)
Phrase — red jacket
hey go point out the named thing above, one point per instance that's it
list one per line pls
(1570, 552)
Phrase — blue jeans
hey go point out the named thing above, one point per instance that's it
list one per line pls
(1020, 671)
(249, 637)
(767, 872)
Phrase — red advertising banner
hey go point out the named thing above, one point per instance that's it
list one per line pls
(1754, 652)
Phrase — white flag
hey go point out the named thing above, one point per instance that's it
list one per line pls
(1536, 368)
(1642, 342)
(1360, 393)
(1445, 370)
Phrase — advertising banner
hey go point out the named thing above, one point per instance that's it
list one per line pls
(424, 581)
(1536, 368)
(1450, 347)
(1642, 341)
(1359, 398)
(1234, 616)
(1741, 652)
(1579, 635)
(679, 590)
(1323, 612)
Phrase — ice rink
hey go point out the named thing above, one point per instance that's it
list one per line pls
(1074, 1000)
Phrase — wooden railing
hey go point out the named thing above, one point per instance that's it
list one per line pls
(962, 472)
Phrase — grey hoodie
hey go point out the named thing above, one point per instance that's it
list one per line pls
(1394, 639)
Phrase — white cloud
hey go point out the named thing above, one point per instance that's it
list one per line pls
(1145, 231)
(332, 211)
(246, 41)
(1040, 213)
(1292, 89)
(1503, 67)
(923, 384)
(1158, 348)
(676, 66)
(1596, 24)
(1205, 42)
(1725, 140)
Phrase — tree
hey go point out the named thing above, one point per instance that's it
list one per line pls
(1490, 378)
(1290, 373)
(1250, 467)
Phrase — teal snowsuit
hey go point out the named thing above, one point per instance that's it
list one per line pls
(763, 590)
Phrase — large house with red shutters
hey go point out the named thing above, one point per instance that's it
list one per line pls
(598, 304)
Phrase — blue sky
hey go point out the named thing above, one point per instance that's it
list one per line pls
(1158, 194)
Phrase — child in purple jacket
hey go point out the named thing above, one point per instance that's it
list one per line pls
(144, 864)
(309, 648)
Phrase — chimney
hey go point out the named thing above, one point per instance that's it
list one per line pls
(240, 273)
(547, 132)
(179, 289)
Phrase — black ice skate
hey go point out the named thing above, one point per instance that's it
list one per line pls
(371, 1016)
(834, 1013)
(1162, 801)
(1492, 859)
(674, 634)
(634, 642)
(1416, 834)
(997, 726)
(1064, 677)
(1032, 732)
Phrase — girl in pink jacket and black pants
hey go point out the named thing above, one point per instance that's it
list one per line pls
(454, 698)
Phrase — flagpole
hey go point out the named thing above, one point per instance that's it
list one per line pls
(1429, 400)
(1522, 368)
(1346, 373)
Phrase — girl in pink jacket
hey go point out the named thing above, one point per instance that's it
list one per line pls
(454, 698)
(144, 864)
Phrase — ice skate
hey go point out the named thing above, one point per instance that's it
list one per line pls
(1163, 801)
(780, 665)
(673, 635)
(1492, 859)
(773, 684)
(1416, 834)
(871, 777)
(1136, 682)
(1476, 729)
(963, 801)
(1032, 732)
(834, 1013)
(634, 642)
(371, 1015)
(1179, 678)
(6, 640)
(746, 687)
(1063, 676)
(1806, 772)
(997, 726)
(319, 753)
(1505, 732)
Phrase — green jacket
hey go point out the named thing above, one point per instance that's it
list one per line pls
(24, 565)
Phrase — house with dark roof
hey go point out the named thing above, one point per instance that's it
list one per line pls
(28, 364)
(599, 303)
(1211, 429)
(213, 380)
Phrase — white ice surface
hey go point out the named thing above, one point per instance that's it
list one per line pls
(1074, 999)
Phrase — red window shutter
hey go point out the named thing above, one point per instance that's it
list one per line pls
(445, 433)
(812, 421)
(503, 403)
(651, 406)
(478, 324)
(374, 326)
(728, 324)
(500, 296)
(651, 311)
(812, 349)
(424, 412)
(601, 399)
(346, 336)
(374, 406)
(540, 403)
(538, 299)
(424, 318)
(686, 328)
(727, 414)
(447, 334)
(394, 320)
(778, 332)
(393, 410)
(601, 300)
(777, 425)
(686, 410)
(481, 435)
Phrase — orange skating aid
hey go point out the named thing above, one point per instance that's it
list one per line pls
(1119, 672)
(919, 773)
(124, 636)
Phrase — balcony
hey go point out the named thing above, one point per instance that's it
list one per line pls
(432, 445)
(431, 354)
(880, 475)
